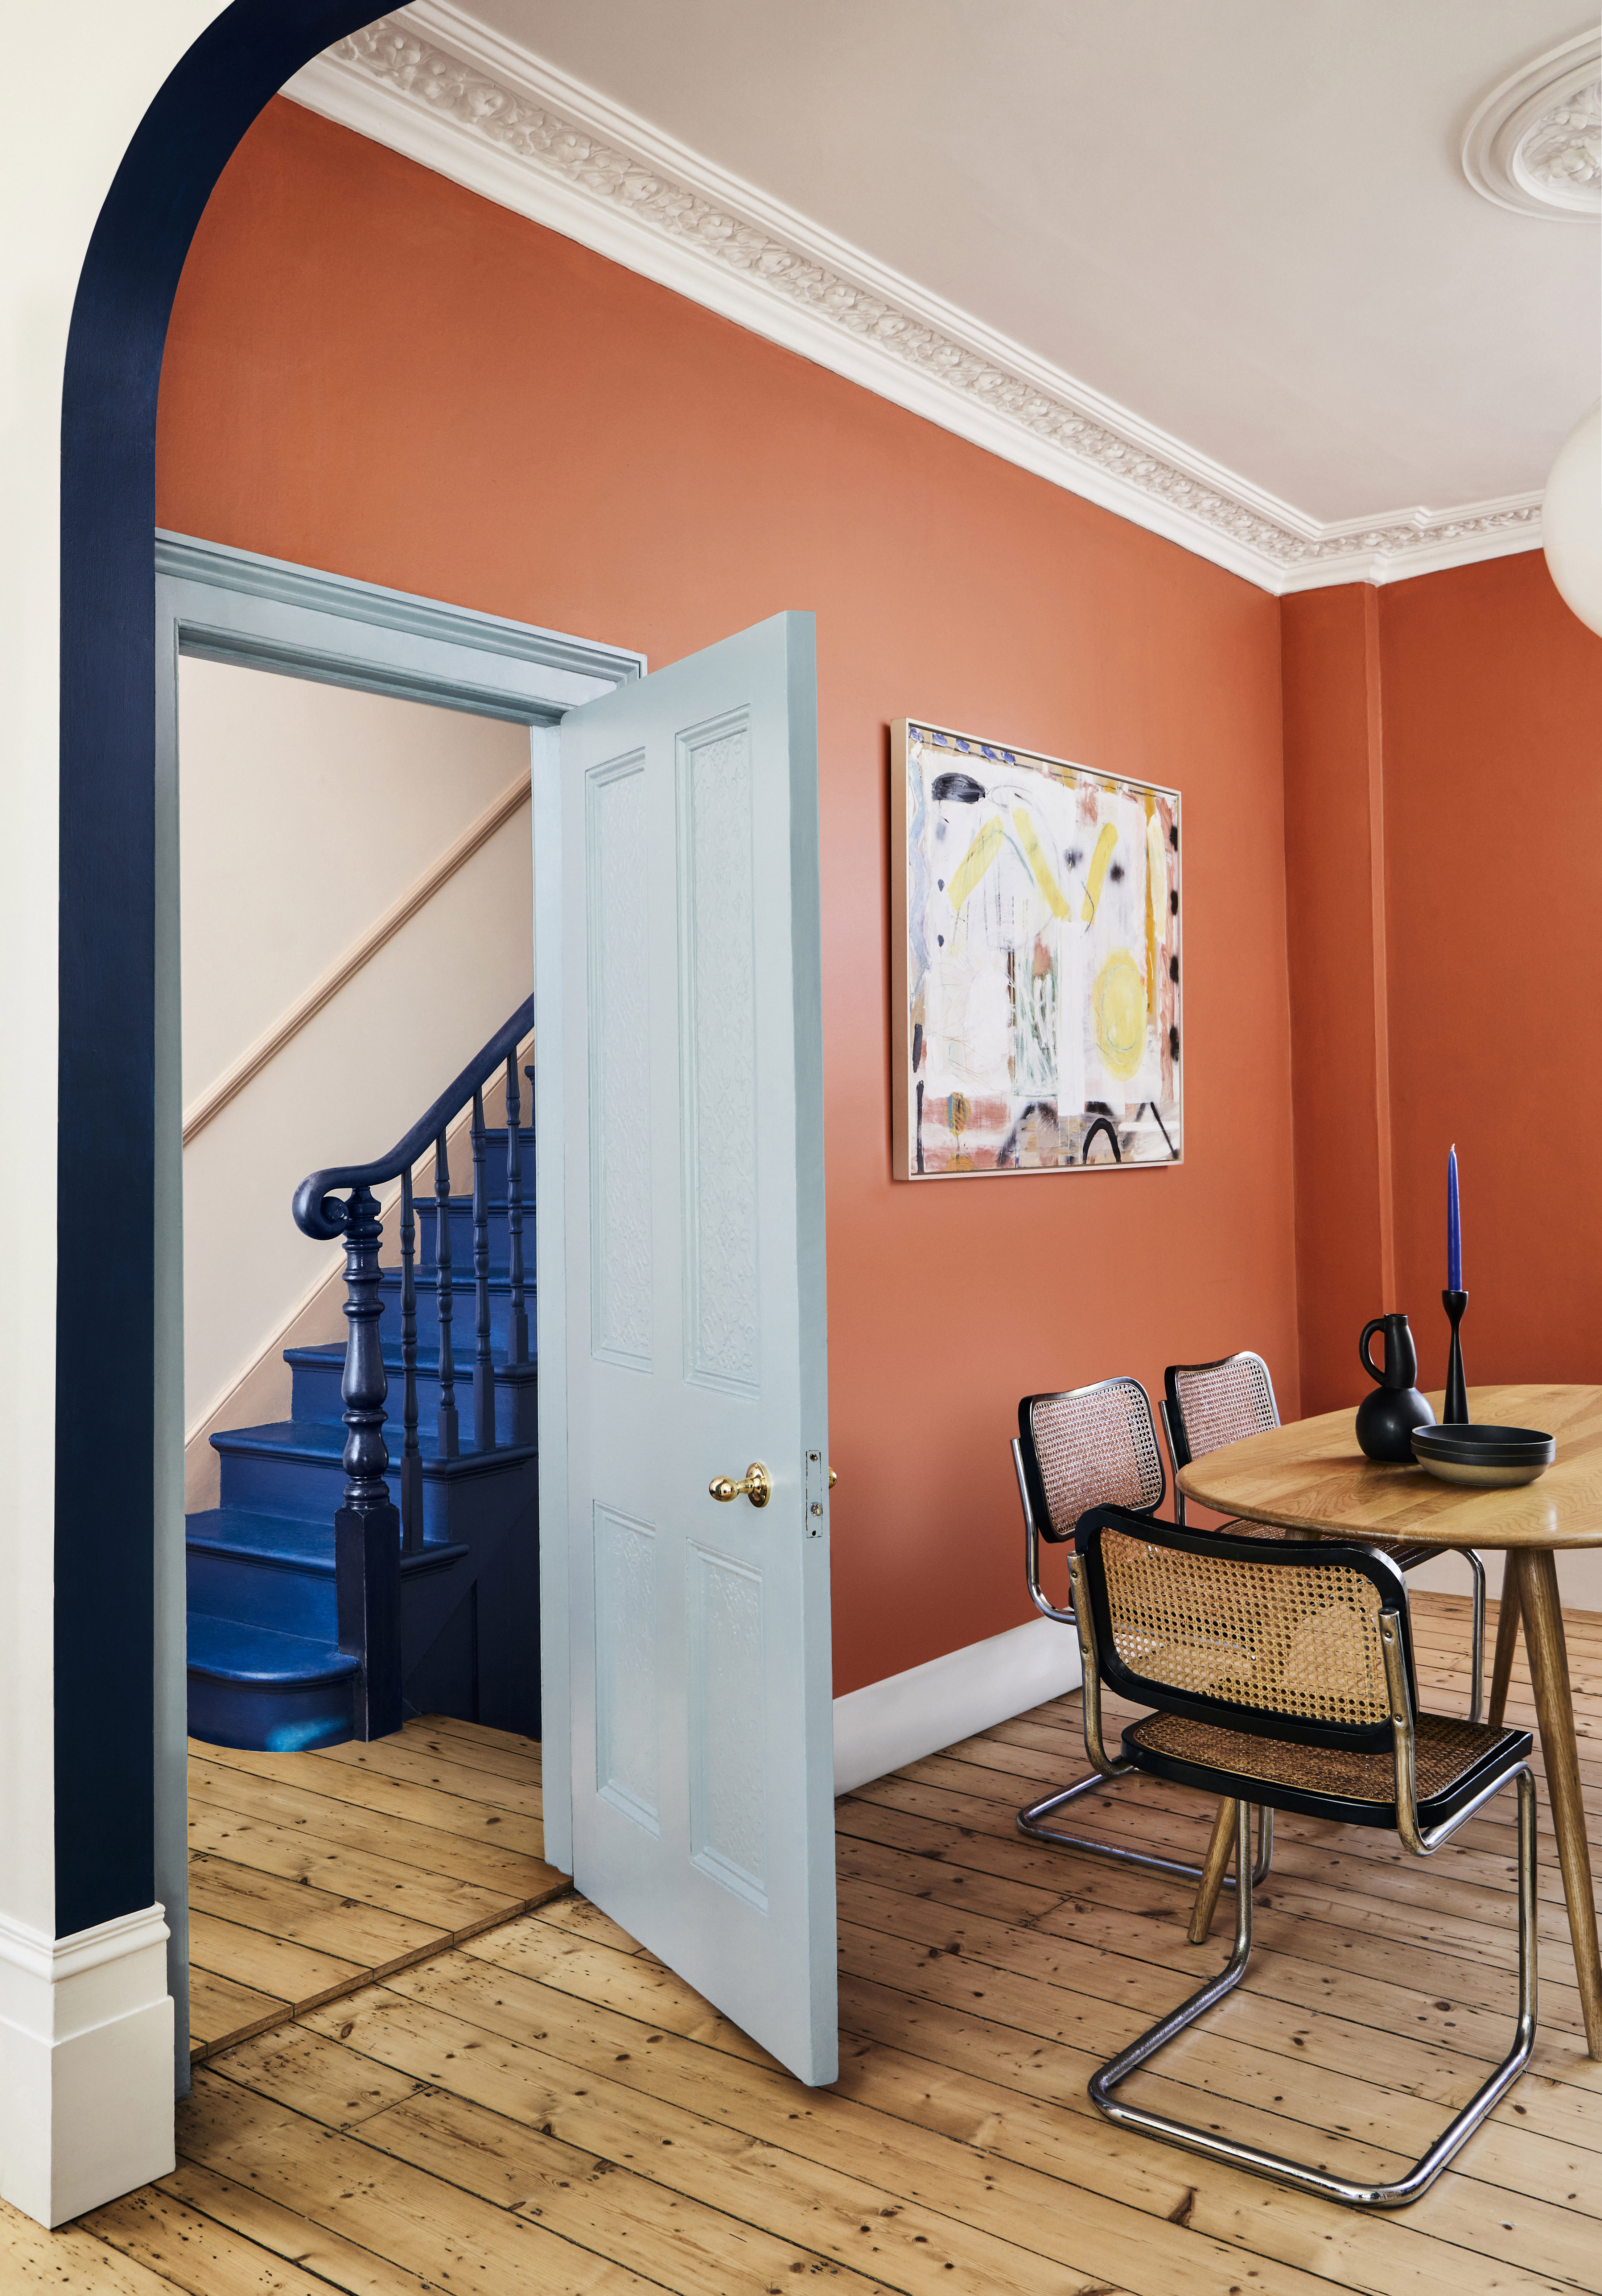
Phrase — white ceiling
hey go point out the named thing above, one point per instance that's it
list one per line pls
(1236, 232)
(1246, 220)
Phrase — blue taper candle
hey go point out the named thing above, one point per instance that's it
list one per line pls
(1454, 1234)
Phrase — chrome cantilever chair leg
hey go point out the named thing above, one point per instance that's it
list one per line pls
(1397, 2194)
(1477, 1696)
(1031, 1819)
(1174, 1869)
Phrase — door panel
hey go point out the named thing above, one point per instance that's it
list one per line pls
(717, 1086)
(618, 969)
(701, 1694)
(628, 1751)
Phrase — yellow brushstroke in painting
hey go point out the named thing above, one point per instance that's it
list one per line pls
(975, 861)
(1096, 876)
(1038, 862)
(1120, 1000)
(1118, 997)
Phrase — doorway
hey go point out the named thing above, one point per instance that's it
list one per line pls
(350, 664)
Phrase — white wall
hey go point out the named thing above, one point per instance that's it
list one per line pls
(305, 810)
(1579, 1578)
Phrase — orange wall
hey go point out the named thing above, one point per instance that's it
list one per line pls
(373, 371)
(1493, 825)
(1443, 810)
(1334, 844)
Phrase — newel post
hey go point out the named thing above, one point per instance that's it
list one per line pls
(367, 1529)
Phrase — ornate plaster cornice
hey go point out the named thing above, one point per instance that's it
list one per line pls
(1535, 143)
(432, 83)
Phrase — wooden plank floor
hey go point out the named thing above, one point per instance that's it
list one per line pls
(312, 1875)
(540, 2106)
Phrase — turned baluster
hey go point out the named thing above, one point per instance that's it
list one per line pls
(483, 1367)
(367, 1529)
(449, 1437)
(518, 1348)
(411, 1457)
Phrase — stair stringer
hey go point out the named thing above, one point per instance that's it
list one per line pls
(469, 1639)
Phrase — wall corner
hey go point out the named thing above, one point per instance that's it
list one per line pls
(1336, 956)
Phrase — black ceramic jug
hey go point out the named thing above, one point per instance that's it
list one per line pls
(1385, 1420)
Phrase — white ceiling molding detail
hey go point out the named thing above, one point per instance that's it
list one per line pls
(1535, 143)
(432, 84)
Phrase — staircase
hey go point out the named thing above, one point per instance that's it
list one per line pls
(357, 1569)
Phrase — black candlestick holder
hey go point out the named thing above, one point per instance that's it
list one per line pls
(1455, 1410)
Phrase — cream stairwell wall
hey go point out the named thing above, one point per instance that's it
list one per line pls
(307, 813)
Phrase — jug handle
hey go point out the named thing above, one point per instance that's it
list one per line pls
(1377, 1324)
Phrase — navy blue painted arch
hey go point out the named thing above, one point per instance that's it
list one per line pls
(105, 1284)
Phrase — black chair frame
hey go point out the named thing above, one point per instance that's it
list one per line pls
(1170, 1413)
(1037, 1525)
(1422, 1824)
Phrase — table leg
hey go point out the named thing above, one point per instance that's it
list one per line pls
(1212, 1873)
(1506, 1642)
(1549, 1668)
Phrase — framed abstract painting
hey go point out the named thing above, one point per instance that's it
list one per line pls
(1035, 961)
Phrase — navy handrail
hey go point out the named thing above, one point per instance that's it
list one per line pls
(318, 1213)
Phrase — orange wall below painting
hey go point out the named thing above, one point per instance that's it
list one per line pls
(372, 369)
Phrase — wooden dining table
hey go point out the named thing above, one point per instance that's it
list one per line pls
(1310, 1476)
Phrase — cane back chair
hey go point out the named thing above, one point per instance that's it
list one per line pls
(1281, 1673)
(1092, 1447)
(1205, 1406)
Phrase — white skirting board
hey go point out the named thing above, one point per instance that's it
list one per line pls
(888, 1723)
(86, 2065)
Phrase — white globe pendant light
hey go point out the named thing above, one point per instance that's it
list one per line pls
(1571, 519)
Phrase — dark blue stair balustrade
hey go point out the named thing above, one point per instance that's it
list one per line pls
(371, 1554)
(318, 1370)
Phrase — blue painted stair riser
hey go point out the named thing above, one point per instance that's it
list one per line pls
(317, 1372)
(462, 1315)
(294, 1469)
(265, 1670)
(462, 1244)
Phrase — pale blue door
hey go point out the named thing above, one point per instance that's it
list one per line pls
(701, 1690)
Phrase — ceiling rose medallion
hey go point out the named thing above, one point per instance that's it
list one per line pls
(1535, 143)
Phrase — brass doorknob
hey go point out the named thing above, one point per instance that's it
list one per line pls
(755, 1485)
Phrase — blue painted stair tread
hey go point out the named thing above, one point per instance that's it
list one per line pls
(324, 1438)
(289, 1543)
(233, 1652)
(250, 1686)
(265, 1670)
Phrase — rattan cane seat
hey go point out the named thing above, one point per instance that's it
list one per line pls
(1453, 1759)
(1210, 1405)
(1406, 1553)
(1282, 1677)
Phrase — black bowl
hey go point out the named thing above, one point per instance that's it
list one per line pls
(1485, 1457)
